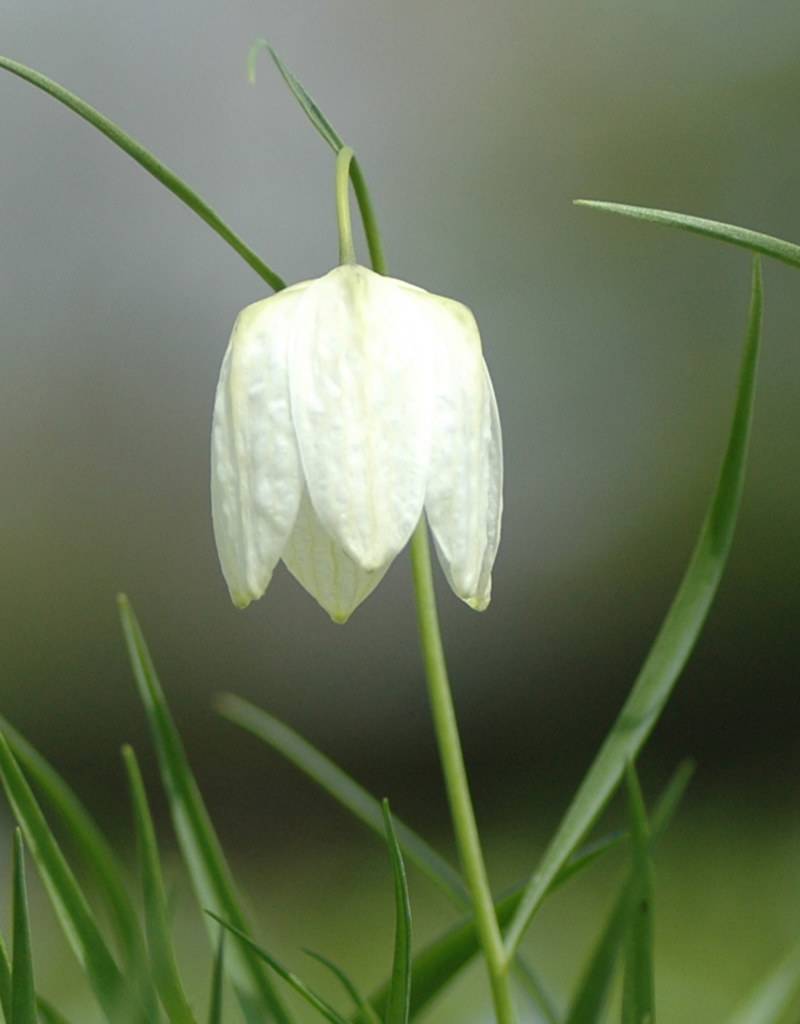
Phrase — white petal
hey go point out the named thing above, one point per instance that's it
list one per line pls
(256, 479)
(324, 569)
(360, 404)
(464, 500)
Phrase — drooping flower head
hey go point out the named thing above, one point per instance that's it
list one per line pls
(345, 406)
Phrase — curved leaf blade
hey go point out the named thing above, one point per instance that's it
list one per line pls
(169, 179)
(672, 646)
(23, 997)
(397, 1008)
(745, 238)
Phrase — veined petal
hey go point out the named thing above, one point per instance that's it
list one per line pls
(324, 569)
(256, 478)
(464, 499)
(361, 409)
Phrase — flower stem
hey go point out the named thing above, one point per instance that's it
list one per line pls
(452, 758)
(347, 251)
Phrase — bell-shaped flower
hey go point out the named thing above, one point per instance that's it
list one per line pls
(345, 406)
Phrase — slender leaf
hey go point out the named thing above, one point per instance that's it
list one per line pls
(208, 868)
(771, 999)
(672, 646)
(217, 983)
(346, 790)
(288, 976)
(89, 842)
(397, 1008)
(366, 1013)
(5, 984)
(66, 895)
(638, 996)
(23, 997)
(755, 241)
(159, 940)
(149, 162)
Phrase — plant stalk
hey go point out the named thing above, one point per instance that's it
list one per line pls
(347, 250)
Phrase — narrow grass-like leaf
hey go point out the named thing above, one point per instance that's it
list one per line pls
(771, 999)
(217, 983)
(672, 646)
(300, 987)
(208, 868)
(159, 940)
(755, 241)
(23, 997)
(5, 984)
(345, 789)
(400, 990)
(638, 995)
(366, 1013)
(66, 895)
(89, 842)
(149, 162)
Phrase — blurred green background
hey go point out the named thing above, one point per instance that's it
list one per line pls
(613, 347)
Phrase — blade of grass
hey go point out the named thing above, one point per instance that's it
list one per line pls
(150, 163)
(159, 940)
(67, 898)
(366, 1013)
(96, 854)
(217, 983)
(672, 646)
(208, 868)
(771, 999)
(300, 987)
(755, 241)
(5, 984)
(23, 998)
(397, 1007)
(638, 994)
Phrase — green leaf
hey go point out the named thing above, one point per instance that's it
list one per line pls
(771, 999)
(150, 163)
(159, 940)
(5, 984)
(49, 1014)
(66, 895)
(366, 1013)
(672, 646)
(638, 996)
(346, 790)
(23, 998)
(208, 868)
(319, 1004)
(217, 983)
(91, 845)
(755, 241)
(397, 1008)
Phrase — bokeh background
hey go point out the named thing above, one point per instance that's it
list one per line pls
(613, 347)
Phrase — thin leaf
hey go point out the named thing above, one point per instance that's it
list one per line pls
(149, 162)
(770, 1000)
(672, 646)
(23, 997)
(159, 940)
(311, 997)
(217, 983)
(345, 789)
(91, 845)
(397, 1008)
(755, 241)
(5, 984)
(208, 868)
(367, 1014)
(638, 995)
(66, 895)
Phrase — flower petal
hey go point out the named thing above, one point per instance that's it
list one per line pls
(324, 569)
(464, 500)
(360, 403)
(256, 479)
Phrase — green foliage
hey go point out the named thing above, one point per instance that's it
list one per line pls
(774, 995)
(397, 1007)
(23, 997)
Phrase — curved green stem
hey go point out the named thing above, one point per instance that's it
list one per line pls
(347, 250)
(455, 775)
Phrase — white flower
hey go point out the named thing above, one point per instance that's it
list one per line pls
(345, 406)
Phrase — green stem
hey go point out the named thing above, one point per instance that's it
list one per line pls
(455, 775)
(347, 251)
